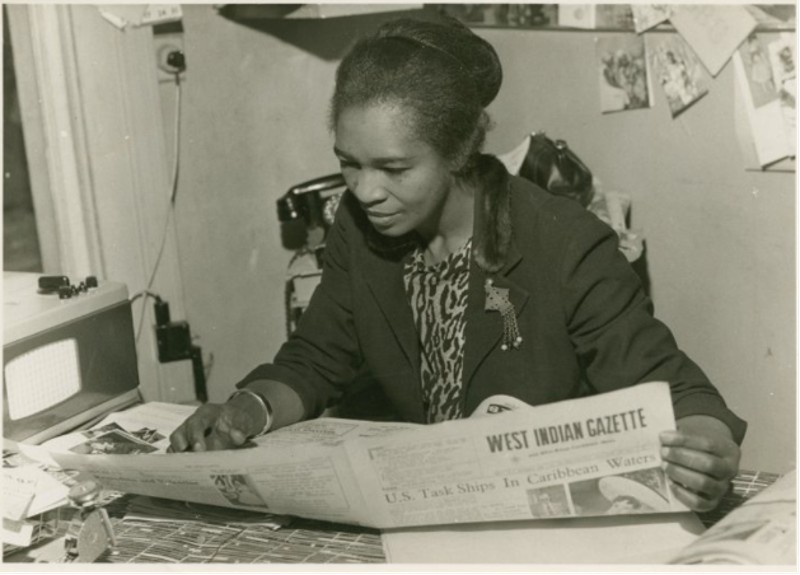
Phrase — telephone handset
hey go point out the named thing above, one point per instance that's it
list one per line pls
(306, 211)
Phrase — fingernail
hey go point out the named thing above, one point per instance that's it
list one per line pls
(199, 447)
(664, 452)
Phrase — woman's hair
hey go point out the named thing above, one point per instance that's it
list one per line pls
(440, 71)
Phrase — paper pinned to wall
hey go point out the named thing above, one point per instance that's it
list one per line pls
(577, 15)
(646, 16)
(120, 15)
(713, 31)
(123, 15)
(675, 66)
(783, 62)
(756, 88)
(623, 79)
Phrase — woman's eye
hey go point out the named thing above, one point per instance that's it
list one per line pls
(394, 171)
(345, 165)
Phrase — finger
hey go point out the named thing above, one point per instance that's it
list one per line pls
(698, 483)
(708, 443)
(216, 442)
(197, 427)
(701, 462)
(692, 500)
(230, 425)
(177, 440)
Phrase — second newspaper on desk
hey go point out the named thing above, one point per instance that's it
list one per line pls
(585, 457)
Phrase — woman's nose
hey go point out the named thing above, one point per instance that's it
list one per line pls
(368, 187)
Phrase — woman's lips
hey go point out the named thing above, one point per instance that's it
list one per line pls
(380, 217)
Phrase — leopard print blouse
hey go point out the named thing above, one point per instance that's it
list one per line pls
(438, 298)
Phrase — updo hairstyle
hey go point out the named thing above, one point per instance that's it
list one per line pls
(441, 72)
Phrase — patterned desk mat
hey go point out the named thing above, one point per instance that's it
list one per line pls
(163, 531)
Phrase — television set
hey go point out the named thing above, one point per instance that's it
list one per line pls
(67, 361)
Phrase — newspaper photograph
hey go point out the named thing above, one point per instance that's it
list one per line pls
(592, 456)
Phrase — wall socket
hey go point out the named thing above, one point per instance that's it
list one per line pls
(167, 40)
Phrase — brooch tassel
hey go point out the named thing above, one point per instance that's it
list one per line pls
(497, 300)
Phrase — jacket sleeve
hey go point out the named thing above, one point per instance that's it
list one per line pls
(322, 355)
(617, 339)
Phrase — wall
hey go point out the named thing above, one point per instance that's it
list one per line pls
(720, 239)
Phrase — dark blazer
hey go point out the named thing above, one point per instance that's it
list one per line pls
(586, 324)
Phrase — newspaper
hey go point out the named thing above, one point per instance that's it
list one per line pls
(761, 531)
(592, 456)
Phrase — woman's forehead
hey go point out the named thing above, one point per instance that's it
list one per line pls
(377, 126)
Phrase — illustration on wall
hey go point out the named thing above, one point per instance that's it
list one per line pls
(782, 58)
(646, 16)
(622, 73)
(678, 71)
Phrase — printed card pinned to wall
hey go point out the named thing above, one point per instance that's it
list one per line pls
(576, 15)
(614, 16)
(782, 58)
(678, 70)
(621, 63)
(756, 82)
(713, 31)
(646, 16)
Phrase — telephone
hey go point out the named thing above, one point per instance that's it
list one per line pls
(307, 210)
(305, 213)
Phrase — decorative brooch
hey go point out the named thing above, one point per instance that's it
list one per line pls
(497, 300)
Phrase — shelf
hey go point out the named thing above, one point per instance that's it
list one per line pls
(306, 11)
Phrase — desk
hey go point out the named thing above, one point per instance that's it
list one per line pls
(203, 534)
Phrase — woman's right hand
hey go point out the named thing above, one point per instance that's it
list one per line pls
(217, 426)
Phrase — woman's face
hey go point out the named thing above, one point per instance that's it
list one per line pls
(400, 181)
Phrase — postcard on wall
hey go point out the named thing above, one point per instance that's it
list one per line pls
(503, 15)
(713, 31)
(782, 60)
(624, 83)
(646, 16)
(614, 16)
(677, 69)
(755, 80)
(576, 15)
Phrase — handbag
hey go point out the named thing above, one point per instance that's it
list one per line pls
(552, 165)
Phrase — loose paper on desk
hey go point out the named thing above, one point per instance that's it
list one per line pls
(761, 531)
(592, 456)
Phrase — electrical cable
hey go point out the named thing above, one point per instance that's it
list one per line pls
(173, 195)
(146, 294)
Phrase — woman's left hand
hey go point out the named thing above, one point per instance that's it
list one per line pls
(700, 459)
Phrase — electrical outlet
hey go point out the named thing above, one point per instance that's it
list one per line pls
(167, 45)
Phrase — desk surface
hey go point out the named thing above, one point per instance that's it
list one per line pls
(191, 533)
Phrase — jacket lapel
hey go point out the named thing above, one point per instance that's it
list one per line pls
(485, 328)
(385, 280)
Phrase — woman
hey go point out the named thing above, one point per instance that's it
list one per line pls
(450, 281)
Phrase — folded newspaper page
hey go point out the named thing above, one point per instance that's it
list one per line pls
(761, 531)
(586, 457)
